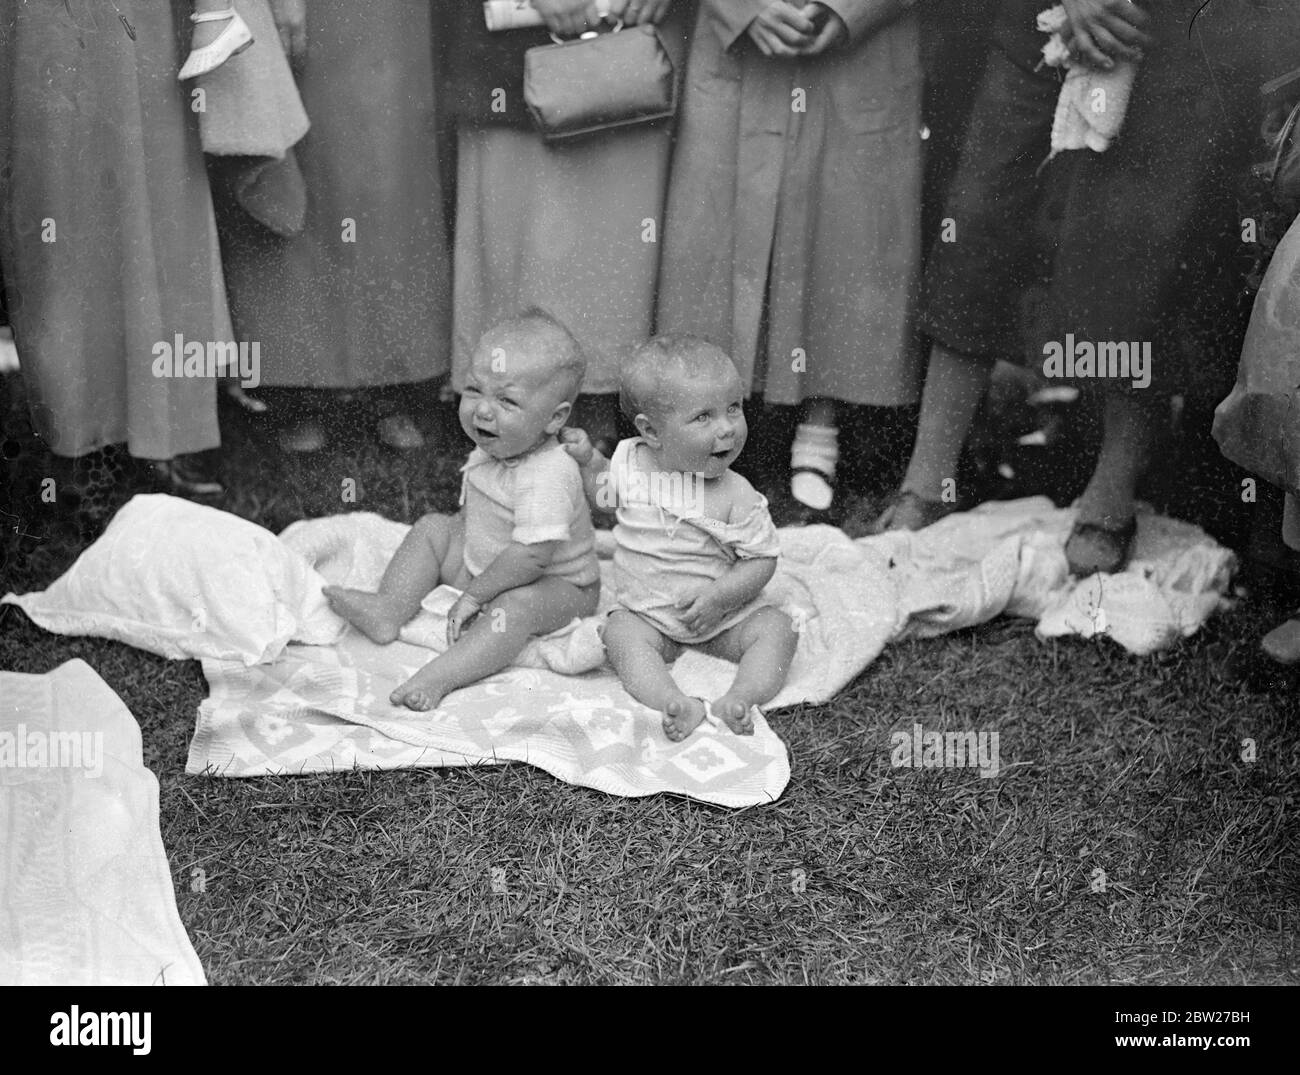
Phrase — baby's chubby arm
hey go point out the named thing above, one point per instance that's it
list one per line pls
(516, 565)
(741, 583)
(594, 467)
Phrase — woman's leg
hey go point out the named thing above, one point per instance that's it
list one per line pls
(814, 454)
(954, 388)
(1105, 510)
(1128, 439)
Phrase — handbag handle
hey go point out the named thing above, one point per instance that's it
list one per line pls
(586, 35)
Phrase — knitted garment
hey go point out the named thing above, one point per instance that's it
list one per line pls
(1091, 108)
(537, 497)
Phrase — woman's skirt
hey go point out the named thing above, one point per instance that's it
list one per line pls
(360, 297)
(106, 227)
(573, 229)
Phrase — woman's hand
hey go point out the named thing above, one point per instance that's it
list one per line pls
(638, 11)
(782, 29)
(831, 32)
(291, 21)
(568, 17)
(1103, 31)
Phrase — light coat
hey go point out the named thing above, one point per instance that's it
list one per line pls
(799, 181)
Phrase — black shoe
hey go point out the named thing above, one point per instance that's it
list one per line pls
(188, 476)
(1096, 549)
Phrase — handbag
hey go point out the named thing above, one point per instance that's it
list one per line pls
(599, 82)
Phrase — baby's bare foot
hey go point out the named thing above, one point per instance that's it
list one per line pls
(422, 692)
(682, 717)
(735, 714)
(370, 613)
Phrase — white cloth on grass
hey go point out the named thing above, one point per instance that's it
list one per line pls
(86, 892)
(183, 580)
(321, 708)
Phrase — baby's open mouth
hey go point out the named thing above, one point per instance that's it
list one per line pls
(485, 433)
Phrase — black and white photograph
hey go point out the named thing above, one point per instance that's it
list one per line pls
(915, 388)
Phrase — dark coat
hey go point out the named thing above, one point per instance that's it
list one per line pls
(480, 62)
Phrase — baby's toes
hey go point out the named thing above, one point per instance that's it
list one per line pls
(675, 719)
(736, 716)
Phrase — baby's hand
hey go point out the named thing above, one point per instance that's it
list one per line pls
(703, 610)
(578, 444)
(464, 610)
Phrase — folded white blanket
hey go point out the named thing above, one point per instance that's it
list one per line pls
(319, 708)
(85, 888)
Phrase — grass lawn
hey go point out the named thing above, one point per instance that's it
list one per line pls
(1124, 841)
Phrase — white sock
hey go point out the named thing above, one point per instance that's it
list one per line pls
(816, 447)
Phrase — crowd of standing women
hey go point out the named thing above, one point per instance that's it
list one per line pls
(855, 200)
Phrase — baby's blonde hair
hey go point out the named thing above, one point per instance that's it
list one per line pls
(541, 333)
(659, 362)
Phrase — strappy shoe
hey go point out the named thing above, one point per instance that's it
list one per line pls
(1093, 549)
(907, 510)
(230, 42)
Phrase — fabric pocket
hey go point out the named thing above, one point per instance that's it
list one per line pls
(872, 86)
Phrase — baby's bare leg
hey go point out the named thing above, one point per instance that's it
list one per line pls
(640, 655)
(763, 645)
(413, 571)
(496, 637)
